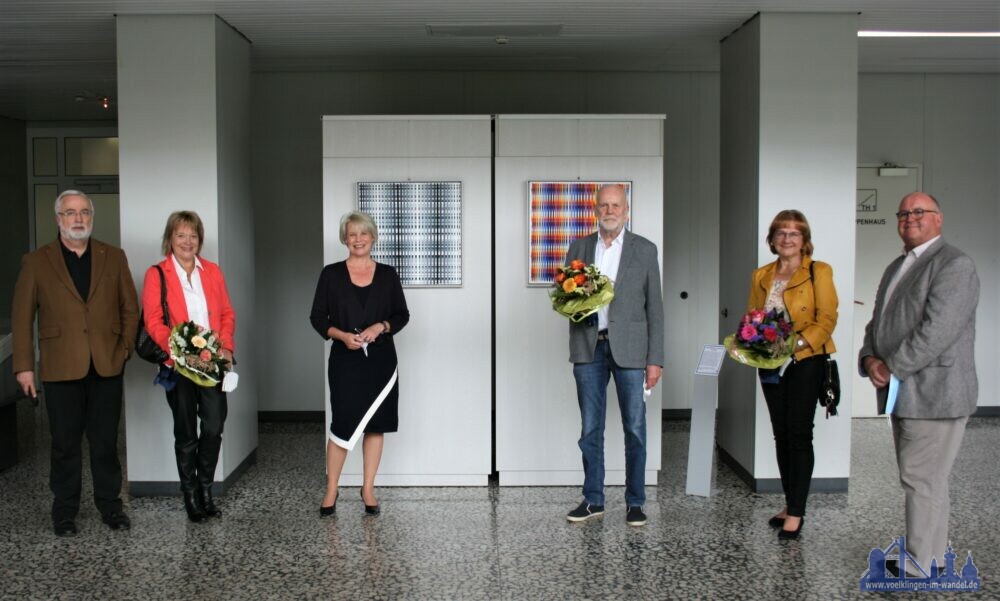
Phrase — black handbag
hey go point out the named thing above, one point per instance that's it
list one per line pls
(829, 388)
(145, 346)
(829, 393)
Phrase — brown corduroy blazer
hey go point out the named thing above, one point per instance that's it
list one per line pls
(72, 332)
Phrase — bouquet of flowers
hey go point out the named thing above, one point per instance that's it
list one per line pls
(197, 354)
(580, 290)
(763, 340)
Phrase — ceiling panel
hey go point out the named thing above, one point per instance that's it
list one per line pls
(53, 51)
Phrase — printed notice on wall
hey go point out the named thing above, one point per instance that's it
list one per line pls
(711, 360)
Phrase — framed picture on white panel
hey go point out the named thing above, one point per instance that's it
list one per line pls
(419, 229)
(559, 212)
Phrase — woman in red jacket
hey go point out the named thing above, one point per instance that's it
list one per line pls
(196, 291)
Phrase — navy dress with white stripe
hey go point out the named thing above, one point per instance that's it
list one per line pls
(364, 389)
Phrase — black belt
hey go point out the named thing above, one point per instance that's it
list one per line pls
(602, 335)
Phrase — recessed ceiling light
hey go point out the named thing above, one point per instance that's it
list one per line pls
(929, 34)
(493, 30)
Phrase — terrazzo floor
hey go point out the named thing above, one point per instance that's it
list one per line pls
(481, 543)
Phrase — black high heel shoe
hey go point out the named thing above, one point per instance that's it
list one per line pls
(325, 512)
(791, 534)
(369, 509)
(776, 522)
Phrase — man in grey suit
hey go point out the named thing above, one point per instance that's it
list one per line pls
(624, 339)
(922, 334)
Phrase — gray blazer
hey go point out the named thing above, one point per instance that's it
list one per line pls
(927, 334)
(635, 317)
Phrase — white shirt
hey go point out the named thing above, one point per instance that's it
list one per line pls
(910, 259)
(194, 294)
(607, 260)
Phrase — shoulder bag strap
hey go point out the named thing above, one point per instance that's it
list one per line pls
(163, 297)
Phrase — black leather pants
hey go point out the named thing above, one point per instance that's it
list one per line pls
(197, 449)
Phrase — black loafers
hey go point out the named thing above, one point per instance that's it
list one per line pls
(65, 527)
(117, 520)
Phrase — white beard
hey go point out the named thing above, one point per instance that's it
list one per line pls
(70, 234)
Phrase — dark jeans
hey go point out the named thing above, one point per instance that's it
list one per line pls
(197, 449)
(792, 405)
(93, 405)
(592, 393)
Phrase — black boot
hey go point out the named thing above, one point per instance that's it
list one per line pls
(207, 502)
(193, 506)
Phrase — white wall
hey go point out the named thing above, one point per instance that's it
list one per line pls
(537, 415)
(949, 125)
(183, 130)
(739, 229)
(236, 237)
(808, 161)
(445, 352)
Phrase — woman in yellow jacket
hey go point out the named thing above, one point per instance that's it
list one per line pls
(804, 289)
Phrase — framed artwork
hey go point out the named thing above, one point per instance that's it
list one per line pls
(419, 229)
(559, 212)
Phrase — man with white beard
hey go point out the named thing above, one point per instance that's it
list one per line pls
(82, 293)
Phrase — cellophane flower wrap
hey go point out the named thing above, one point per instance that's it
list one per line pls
(580, 290)
(763, 339)
(197, 354)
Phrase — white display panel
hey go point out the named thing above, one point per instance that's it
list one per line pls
(444, 436)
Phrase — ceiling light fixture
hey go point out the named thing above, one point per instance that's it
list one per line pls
(494, 30)
(929, 34)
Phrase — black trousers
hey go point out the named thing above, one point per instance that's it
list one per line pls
(197, 449)
(93, 405)
(792, 406)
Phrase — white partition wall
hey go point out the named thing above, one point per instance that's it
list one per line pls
(537, 417)
(445, 351)
(788, 80)
(183, 123)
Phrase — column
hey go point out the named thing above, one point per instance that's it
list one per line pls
(183, 122)
(789, 141)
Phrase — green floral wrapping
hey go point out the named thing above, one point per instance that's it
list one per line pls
(577, 308)
(755, 359)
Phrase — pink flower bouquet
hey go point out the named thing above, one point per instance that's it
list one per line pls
(763, 339)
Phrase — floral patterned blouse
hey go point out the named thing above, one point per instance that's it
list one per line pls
(776, 299)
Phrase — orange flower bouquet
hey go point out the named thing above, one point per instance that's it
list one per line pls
(580, 290)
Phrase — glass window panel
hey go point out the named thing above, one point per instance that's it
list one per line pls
(91, 156)
(45, 157)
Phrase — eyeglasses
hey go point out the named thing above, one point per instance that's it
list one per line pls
(918, 214)
(791, 235)
(71, 214)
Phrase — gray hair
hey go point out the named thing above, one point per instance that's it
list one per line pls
(363, 219)
(66, 193)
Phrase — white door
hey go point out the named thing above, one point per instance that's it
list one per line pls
(877, 245)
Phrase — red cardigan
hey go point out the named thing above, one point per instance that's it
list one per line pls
(221, 317)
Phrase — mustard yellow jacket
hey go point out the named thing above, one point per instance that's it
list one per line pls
(812, 306)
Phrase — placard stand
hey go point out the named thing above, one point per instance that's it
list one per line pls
(701, 448)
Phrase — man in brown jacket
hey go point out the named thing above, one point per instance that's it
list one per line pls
(82, 292)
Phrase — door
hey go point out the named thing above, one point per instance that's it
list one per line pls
(877, 244)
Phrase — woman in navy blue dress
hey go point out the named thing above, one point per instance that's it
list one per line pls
(359, 306)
